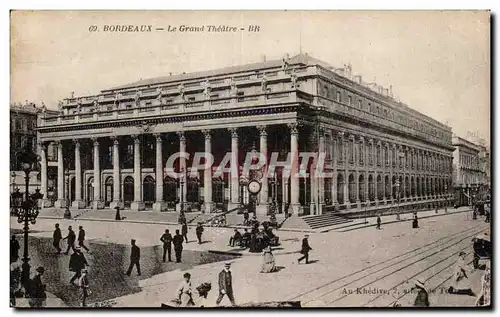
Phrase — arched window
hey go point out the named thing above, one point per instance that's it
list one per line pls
(378, 155)
(361, 188)
(352, 189)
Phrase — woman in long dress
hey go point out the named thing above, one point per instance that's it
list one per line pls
(268, 266)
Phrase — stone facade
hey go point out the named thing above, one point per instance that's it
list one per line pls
(377, 149)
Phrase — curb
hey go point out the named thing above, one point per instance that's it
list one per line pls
(396, 221)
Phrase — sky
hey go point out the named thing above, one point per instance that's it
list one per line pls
(437, 62)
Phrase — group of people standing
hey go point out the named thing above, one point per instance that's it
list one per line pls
(177, 241)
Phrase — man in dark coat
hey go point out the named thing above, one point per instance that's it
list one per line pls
(246, 238)
(305, 249)
(57, 237)
(135, 257)
(199, 232)
(14, 249)
(166, 238)
(379, 221)
(37, 289)
(226, 285)
(81, 238)
(71, 240)
(177, 241)
(236, 238)
(184, 230)
(77, 263)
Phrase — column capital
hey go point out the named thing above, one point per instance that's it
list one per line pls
(136, 138)
(56, 143)
(116, 140)
(361, 138)
(42, 145)
(262, 130)
(181, 135)
(370, 140)
(321, 131)
(76, 142)
(158, 137)
(95, 141)
(207, 134)
(234, 132)
(294, 128)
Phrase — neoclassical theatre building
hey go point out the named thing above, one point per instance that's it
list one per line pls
(112, 147)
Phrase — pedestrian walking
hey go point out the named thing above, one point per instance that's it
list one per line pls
(81, 238)
(57, 237)
(422, 299)
(268, 265)
(185, 291)
(117, 214)
(177, 241)
(71, 237)
(226, 285)
(77, 263)
(305, 249)
(84, 284)
(379, 222)
(37, 289)
(14, 249)
(166, 238)
(135, 257)
(184, 230)
(199, 232)
(415, 220)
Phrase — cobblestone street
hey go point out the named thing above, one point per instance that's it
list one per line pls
(365, 259)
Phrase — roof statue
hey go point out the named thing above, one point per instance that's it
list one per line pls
(208, 88)
(159, 91)
(285, 60)
(137, 97)
(181, 91)
(264, 83)
(234, 88)
(293, 77)
(72, 94)
(59, 105)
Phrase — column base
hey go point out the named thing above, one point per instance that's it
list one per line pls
(97, 204)
(79, 204)
(137, 206)
(60, 203)
(262, 209)
(47, 203)
(295, 210)
(232, 205)
(116, 203)
(159, 206)
(208, 207)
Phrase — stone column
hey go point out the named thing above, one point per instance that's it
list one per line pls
(159, 205)
(392, 168)
(347, 201)
(207, 176)
(117, 201)
(334, 166)
(375, 167)
(78, 202)
(43, 176)
(61, 200)
(235, 179)
(320, 181)
(97, 203)
(137, 204)
(295, 207)
(264, 191)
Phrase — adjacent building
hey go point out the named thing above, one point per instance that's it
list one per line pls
(379, 152)
(23, 135)
(469, 170)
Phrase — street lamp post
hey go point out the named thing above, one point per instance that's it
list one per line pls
(398, 184)
(446, 197)
(29, 210)
(67, 212)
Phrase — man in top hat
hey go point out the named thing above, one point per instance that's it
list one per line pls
(77, 263)
(177, 241)
(81, 238)
(71, 240)
(226, 285)
(184, 231)
(135, 257)
(422, 299)
(37, 289)
(57, 237)
(305, 249)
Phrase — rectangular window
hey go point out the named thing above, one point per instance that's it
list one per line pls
(191, 99)
(339, 97)
(340, 150)
(361, 153)
(349, 100)
(240, 95)
(360, 104)
(378, 156)
(149, 104)
(351, 151)
(215, 96)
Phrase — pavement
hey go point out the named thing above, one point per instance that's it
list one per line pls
(341, 262)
